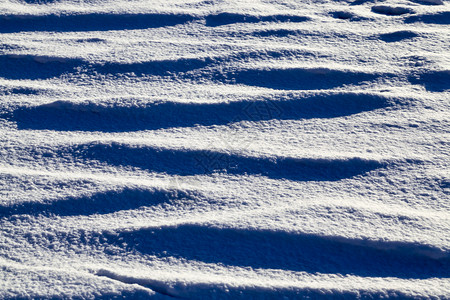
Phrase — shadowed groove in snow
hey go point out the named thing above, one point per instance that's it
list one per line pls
(41, 1)
(36, 67)
(435, 81)
(428, 2)
(99, 203)
(343, 15)
(62, 115)
(43, 67)
(208, 290)
(192, 162)
(391, 10)
(91, 40)
(104, 22)
(232, 18)
(295, 78)
(360, 2)
(276, 33)
(287, 251)
(183, 65)
(89, 22)
(397, 36)
(439, 18)
(157, 67)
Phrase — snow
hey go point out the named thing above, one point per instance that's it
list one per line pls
(257, 149)
(390, 10)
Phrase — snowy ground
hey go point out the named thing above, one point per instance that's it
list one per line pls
(224, 149)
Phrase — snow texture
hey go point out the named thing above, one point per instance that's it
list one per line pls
(223, 149)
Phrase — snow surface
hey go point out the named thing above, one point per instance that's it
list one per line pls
(224, 149)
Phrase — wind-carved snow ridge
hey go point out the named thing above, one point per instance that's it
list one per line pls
(224, 149)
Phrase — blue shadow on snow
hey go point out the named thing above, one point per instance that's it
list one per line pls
(192, 162)
(440, 18)
(295, 78)
(67, 116)
(89, 22)
(434, 81)
(232, 18)
(397, 36)
(287, 251)
(41, 67)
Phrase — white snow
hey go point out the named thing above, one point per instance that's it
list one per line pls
(254, 149)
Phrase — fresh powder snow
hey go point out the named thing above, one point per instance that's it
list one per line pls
(224, 149)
